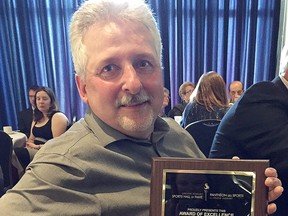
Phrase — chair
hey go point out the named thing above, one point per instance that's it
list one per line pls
(203, 132)
(6, 147)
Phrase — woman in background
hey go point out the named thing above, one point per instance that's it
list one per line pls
(165, 102)
(185, 90)
(48, 122)
(208, 100)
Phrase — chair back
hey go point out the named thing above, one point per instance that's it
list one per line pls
(203, 132)
(6, 147)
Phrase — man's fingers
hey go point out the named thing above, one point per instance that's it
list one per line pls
(271, 172)
(271, 208)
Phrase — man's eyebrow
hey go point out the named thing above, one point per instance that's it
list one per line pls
(146, 55)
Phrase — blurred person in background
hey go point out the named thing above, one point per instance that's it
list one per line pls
(25, 117)
(185, 90)
(165, 102)
(208, 100)
(235, 91)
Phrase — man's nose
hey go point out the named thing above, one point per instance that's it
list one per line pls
(131, 80)
(237, 95)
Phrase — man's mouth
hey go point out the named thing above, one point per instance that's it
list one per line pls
(134, 104)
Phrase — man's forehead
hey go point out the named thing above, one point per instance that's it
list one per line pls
(118, 30)
(31, 92)
(236, 86)
(112, 38)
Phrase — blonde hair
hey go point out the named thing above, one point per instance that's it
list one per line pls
(210, 91)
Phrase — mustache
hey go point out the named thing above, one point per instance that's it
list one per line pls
(129, 99)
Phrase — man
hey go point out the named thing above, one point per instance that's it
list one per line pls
(235, 91)
(25, 117)
(102, 164)
(256, 127)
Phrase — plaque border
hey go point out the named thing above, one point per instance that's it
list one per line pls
(186, 164)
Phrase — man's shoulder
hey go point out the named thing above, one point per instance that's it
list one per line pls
(25, 111)
(262, 93)
(263, 87)
(180, 142)
(78, 136)
(77, 146)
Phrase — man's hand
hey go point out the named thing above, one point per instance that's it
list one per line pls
(275, 188)
(274, 185)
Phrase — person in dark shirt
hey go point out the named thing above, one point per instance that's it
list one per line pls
(185, 90)
(25, 117)
(256, 127)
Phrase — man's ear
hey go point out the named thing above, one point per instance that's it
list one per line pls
(81, 86)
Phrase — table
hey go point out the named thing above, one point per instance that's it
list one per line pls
(19, 139)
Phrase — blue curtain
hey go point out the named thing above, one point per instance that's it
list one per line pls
(35, 50)
(236, 38)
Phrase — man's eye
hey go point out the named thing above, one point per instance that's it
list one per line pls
(108, 68)
(109, 72)
(144, 66)
(144, 63)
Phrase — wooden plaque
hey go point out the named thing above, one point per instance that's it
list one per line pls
(208, 187)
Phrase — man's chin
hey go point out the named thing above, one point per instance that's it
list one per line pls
(137, 124)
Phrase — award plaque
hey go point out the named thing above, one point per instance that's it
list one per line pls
(208, 187)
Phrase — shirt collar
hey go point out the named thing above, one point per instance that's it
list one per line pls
(106, 134)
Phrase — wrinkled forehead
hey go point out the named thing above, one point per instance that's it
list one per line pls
(118, 31)
(236, 87)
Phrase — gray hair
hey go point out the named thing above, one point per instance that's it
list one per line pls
(166, 90)
(96, 11)
(283, 67)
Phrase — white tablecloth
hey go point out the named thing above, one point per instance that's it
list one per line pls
(18, 138)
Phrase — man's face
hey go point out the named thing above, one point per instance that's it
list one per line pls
(236, 90)
(123, 84)
(32, 97)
